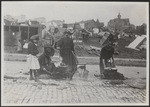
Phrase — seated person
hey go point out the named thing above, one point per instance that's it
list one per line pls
(46, 66)
(49, 68)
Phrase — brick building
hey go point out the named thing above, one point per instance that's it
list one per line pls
(118, 24)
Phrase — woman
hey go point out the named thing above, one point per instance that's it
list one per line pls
(67, 53)
(32, 59)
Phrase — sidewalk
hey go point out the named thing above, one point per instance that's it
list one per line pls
(23, 56)
(87, 60)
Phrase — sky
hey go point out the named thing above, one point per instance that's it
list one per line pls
(71, 12)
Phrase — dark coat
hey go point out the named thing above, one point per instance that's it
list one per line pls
(66, 48)
(45, 62)
(32, 49)
(107, 52)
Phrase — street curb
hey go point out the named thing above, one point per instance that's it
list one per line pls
(88, 60)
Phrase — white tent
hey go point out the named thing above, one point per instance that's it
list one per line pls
(138, 42)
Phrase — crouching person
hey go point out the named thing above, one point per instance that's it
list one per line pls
(46, 66)
(32, 58)
(106, 57)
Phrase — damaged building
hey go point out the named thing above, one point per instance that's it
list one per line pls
(118, 24)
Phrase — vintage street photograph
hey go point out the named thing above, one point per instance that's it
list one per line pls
(74, 53)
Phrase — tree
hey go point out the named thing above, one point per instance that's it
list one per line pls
(141, 30)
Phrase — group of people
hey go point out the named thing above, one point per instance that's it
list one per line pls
(43, 64)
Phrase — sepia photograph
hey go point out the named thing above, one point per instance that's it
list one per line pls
(74, 53)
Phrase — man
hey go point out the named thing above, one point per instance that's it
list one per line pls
(47, 38)
(106, 55)
(67, 53)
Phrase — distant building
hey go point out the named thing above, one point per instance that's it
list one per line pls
(21, 18)
(9, 20)
(141, 30)
(69, 26)
(77, 26)
(41, 20)
(99, 24)
(33, 23)
(58, 23)
(82, 25)
(92, 25)
(118, 24)
(89, 25)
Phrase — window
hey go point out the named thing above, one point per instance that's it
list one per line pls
(14, 28)
(33, 31)
(6, 28)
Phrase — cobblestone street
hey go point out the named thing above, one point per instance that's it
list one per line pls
(92, 91)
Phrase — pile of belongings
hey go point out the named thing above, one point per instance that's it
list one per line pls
(56, 71)
(110, 72)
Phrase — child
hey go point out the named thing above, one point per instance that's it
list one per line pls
(32, 59)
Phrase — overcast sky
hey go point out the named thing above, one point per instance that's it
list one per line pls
(77, 11)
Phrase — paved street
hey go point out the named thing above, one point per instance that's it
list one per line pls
(92, 91)
(77, 91)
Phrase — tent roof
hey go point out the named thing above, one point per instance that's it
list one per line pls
(137, 42)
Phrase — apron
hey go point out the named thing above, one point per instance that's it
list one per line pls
(33, 62)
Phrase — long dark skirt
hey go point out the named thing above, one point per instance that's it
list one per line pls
(67, 57)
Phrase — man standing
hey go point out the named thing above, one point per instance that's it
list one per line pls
(47, 38)
(67, 53)
(106, 55)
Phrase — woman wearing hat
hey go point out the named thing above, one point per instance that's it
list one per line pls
(32, 58)
(66, 47)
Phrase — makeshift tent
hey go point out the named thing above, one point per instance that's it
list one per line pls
(138, 42)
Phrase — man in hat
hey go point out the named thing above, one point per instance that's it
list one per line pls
(67, 52)
(106, 55)
(47, 38)
(32, 58)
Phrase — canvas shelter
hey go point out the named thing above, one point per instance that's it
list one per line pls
(139, 42)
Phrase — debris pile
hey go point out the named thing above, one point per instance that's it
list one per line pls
(113, 74)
